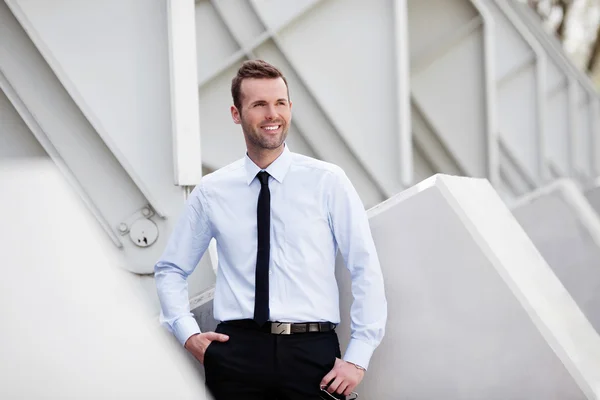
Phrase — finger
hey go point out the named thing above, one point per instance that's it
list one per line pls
(334, 385)
(328, 378)
(348, 390)
(219, 337)
(342, 388)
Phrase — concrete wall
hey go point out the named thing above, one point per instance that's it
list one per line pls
(566, 231)
(475, 311)
(74, 324)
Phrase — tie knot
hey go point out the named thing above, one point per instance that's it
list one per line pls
(263, 177)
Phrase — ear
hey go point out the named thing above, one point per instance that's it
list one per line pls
(235, 115)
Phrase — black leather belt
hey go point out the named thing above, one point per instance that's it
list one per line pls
(284, 328)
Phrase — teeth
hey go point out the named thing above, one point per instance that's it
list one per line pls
(271, 128)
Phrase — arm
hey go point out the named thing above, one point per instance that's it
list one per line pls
(187, 243)
(353, 236)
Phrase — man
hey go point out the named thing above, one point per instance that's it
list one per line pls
(279, 219)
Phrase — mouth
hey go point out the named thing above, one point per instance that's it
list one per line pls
(271, 128)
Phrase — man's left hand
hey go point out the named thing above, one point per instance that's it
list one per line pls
(345, 376)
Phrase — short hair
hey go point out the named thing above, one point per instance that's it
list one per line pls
(253, 69)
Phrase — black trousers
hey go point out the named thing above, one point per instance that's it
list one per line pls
(257, 365)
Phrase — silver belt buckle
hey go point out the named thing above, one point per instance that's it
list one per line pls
(281, 328)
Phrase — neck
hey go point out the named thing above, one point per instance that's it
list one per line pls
(264, 157)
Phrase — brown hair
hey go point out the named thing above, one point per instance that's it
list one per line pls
(253, 69)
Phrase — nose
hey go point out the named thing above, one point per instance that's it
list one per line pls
(271, 113)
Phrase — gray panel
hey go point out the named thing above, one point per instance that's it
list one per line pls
(277, 13)
(517, 105)
(566, 231)
(512, 175)
(298, 143)
(456, 108)
(511, 49)
(422, 167)
(241, 19)
(428, 29)
(430, 147)
(593, 196)
(357, 92)
(214, 42)
(466, 321)
(222, 140)
(16, 140)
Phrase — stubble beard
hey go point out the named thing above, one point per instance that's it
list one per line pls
(262, 142)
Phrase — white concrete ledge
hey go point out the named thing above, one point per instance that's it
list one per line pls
(75, 325)
(474, 310)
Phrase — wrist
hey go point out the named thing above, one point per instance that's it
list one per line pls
(185, 345)
(357, 366)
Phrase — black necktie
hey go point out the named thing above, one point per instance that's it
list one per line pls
(263, 219)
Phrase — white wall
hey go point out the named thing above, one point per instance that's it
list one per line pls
(474, 310)
(74, 324)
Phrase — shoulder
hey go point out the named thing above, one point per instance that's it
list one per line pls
(316, 166)
(222, 176)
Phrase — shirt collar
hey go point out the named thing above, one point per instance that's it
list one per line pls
(278, 168)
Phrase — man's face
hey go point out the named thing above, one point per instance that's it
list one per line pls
(266, 113)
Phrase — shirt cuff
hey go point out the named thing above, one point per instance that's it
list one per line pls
(359, 353)
(184, 328)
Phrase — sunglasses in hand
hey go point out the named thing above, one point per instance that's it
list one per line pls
(325, 395)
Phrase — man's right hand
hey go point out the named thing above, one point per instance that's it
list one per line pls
(198, 343)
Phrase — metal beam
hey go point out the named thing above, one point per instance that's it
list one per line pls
(61, 128)
(55, 156)
(86, 110)
(185, 107)
(540, 62)
(493, 151)
(403, 118)
(537, 60)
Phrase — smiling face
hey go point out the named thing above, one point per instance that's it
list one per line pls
(265, 113)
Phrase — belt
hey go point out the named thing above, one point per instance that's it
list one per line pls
(283, 328)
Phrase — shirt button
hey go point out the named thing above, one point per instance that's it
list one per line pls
(270, 272)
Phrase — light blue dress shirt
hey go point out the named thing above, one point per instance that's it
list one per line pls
(315, 211)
